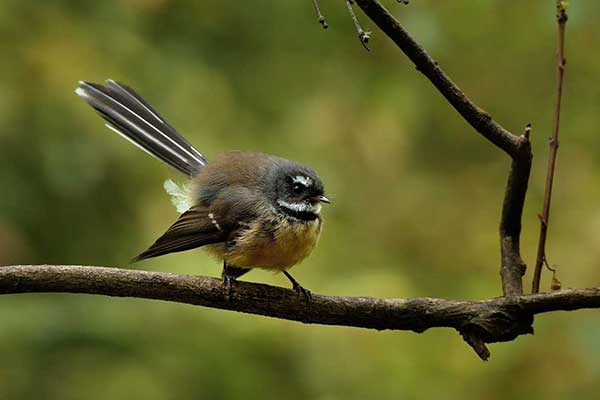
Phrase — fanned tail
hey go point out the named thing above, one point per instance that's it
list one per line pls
(130, 116)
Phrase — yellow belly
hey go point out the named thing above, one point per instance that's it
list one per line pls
(272, 245)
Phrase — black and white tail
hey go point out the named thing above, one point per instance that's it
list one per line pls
(131, 117)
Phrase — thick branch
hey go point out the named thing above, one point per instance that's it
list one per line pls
(480, 322)
(518, 147)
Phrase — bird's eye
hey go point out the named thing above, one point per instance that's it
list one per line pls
(298, 188)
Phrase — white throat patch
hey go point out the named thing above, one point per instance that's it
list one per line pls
(301, 207)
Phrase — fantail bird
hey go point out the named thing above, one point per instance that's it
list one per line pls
(251, 210)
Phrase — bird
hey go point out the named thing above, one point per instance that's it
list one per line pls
(248, 209)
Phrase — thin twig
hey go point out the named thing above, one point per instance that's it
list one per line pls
(363, 36)
(319, 15)
(527, 132)
(561, 17)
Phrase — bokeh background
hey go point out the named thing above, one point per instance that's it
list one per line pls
(417, 193)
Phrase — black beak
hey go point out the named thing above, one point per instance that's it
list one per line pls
(321, 199)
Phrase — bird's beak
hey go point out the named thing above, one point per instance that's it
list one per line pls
(321, 199)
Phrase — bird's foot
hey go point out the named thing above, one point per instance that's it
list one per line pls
(302, 292)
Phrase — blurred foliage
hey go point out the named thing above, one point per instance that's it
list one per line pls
(417, 193)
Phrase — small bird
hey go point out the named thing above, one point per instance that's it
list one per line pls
(250, 210)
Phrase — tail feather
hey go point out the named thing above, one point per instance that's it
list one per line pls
(133, 118)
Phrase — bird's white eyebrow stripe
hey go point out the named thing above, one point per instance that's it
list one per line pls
(303, 180)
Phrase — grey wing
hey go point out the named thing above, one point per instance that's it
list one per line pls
(203, 225)
(194, 228)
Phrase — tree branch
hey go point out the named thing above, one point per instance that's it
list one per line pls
(518, 147)
(479, 322)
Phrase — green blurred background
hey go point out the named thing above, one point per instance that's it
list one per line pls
(417, 193)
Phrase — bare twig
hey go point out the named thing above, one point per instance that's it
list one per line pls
(479, 322)
(319, 15)
(363, 36)
(561, 17)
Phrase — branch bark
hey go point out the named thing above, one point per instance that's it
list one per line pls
(479, 322)
(517, 147)
(512, 266)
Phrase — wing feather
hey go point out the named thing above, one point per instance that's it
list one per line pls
(207, 224)
(193, 229)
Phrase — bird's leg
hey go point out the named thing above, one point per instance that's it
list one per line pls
(300, 291)
(230, 275)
